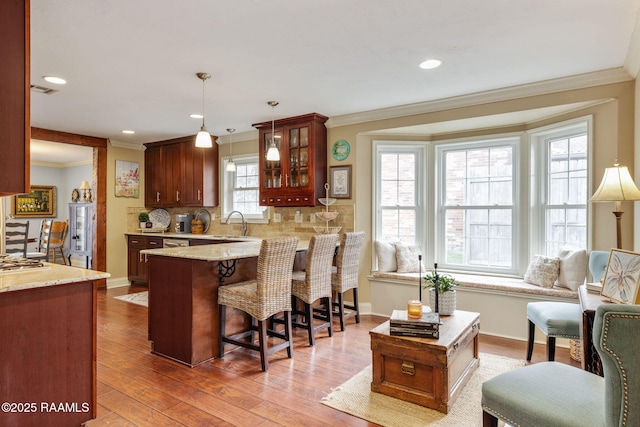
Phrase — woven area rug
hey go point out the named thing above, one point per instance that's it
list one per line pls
(140, 298)
(356, 398)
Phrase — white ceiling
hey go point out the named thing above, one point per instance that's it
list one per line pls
(132, 64)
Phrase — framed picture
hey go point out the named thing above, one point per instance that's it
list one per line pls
(622, 276)
(39, 202)
(340, 182)
(127, 179)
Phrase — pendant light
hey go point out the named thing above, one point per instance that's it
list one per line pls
(231, 166)
(273, 154)
(203, 139)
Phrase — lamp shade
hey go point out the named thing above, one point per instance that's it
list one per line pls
(85, 186)
(231, 166)
(203, 139)
(617, 185)
(273, 154)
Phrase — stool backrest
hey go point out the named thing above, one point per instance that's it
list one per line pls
(275, 265)
(322, 247)
(348, 260)
(616, 337)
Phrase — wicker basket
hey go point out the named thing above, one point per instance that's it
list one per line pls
(575, 350)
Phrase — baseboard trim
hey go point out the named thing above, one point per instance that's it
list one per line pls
(117, 282)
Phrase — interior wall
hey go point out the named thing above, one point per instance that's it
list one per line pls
(117, 211)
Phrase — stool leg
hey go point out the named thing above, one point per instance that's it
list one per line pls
(329, 314)
(340, 304)
(356, 306)
(489, 420)
(262, 339)
(532, 333)
(222, 315)
(551, 348)
(287, 333)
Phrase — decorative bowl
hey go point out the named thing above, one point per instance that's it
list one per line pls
(327, 216)
(326, 230)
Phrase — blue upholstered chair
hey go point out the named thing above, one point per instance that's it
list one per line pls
(561, 319)
(553, 394)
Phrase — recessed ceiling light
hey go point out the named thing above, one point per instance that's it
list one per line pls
(129, 132)
(430, 64)
(196, 116)
(55, 80)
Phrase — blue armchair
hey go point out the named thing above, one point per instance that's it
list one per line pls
(553, 394)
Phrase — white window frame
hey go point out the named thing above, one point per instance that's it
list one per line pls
(513, 140)
(419, 148)
(226, 203)
(538, 142)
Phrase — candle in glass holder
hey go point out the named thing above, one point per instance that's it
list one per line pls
(414, 309)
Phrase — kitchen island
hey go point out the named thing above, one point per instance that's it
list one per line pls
(48, 350)
(183, 296)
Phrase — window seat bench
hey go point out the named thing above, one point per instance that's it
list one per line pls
(501, 301)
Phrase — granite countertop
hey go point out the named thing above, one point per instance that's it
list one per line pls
(49, 275)
(172, 235)
(217, 252)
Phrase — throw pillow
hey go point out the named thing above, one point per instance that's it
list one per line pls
(386, 253)
(542, 271)
(407, 259)
(573, 268)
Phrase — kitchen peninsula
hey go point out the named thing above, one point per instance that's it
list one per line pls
(183, 295)
(48, 351)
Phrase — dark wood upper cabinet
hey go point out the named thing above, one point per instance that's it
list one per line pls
(15, 86)
(177, 173)
(298, 178)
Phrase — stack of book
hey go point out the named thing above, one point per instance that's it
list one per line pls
(404, 326)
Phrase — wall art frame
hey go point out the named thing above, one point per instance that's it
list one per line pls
(622, 277)
(39, 202)
(340, 182)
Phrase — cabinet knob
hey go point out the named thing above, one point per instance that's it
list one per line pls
(199, 195)
(157, 196)
(177, 196)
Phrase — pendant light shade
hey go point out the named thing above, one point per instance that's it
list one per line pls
(203, 139)
(231, 166)
(273, 154)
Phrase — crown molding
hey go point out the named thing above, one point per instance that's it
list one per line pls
(124, 144)
(250, 135)
(580, 81)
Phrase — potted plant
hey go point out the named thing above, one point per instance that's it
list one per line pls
(143, 218)
(446, 292)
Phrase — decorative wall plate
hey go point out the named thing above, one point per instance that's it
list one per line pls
(205, 217)
(340, 149)
(160, 218)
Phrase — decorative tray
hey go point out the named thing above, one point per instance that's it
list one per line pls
(204, 216)
(160, 218)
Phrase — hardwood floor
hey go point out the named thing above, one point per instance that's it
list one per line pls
(136, 387)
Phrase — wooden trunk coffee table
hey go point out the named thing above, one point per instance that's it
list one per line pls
(427, 371)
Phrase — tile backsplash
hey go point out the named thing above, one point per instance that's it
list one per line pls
(294, 221)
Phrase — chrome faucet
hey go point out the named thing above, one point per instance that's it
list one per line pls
(244, 223)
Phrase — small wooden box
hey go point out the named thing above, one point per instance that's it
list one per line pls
(427, 371)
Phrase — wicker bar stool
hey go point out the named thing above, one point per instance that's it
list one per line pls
(314, 284)
(269, 294)
(345, 275)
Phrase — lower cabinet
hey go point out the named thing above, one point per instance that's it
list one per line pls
(137, 269)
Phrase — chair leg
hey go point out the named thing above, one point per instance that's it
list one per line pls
(551, 348)
(532, 333)
(327, 304)
(222, 315)
(262, 339)
(489, 420)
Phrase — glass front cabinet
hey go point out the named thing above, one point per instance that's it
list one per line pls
(80, 234)
(298, 178)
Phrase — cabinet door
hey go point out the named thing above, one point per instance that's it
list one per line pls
(272, 178)
(80, 228)
(172, 166)
(153, 177)
(298, 157)
(134, 264)
(14, 101)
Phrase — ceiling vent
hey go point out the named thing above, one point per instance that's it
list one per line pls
(42, 89)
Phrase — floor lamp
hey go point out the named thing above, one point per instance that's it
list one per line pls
(616, 186)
